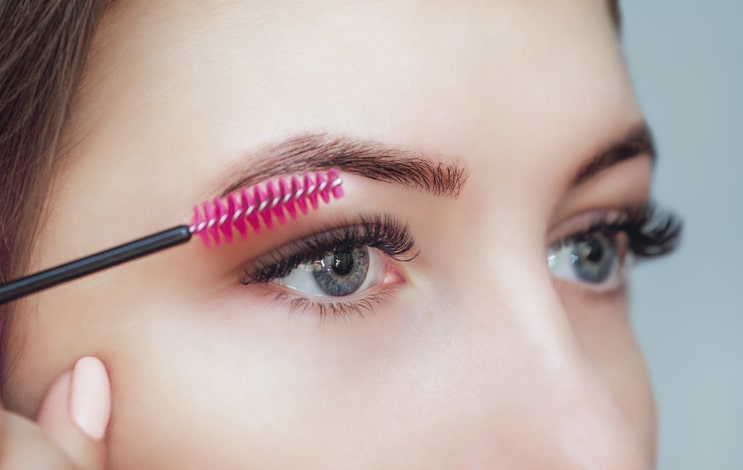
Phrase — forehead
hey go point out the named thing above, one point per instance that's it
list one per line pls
(208, 81)
(278, 44)
(360, 48)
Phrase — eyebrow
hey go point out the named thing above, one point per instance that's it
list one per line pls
(636, 143)
(317, 152)
(415, 170)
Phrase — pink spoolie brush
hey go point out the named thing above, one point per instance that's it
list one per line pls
(216, 222)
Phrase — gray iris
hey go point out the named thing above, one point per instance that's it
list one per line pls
(594, 258)
(342, 272)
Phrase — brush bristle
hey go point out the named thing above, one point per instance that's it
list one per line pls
(260, 206)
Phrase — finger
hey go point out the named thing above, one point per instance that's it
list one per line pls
(76, 411)
(26, 446)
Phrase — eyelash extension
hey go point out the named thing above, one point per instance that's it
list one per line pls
(383, 232)
(651, 232)
(214, 221)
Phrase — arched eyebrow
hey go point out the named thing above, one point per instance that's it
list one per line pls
(638, 142)
(316, 152)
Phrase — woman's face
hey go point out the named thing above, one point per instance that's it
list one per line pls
(474, 354)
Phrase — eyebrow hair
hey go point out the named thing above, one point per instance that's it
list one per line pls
(317, 152)
(637, 142)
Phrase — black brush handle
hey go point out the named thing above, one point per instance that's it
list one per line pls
(93, 263)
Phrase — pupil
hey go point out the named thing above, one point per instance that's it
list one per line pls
(342, 272)
(593, 251)
(342, 262)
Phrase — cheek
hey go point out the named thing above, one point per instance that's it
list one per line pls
(603, 329)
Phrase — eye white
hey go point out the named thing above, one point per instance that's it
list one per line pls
(302, 278)
(563, 261)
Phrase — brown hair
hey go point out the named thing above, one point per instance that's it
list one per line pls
(43, 49)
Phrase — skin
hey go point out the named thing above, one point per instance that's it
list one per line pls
(477, 358)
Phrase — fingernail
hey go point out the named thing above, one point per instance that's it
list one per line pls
(90, 403)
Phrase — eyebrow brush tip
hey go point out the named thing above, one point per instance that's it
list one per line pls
(215, 221)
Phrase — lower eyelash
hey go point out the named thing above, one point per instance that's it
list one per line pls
(345, 310)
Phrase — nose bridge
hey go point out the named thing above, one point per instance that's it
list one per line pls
(511, 311)
(534, 372)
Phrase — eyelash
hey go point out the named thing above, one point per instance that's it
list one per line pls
(383, 232)
(651, 232)
(595, 258)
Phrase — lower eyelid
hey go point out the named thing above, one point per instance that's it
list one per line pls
(362, 307)
(580, 291)
(361, 302)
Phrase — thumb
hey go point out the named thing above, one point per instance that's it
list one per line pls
(76, 411)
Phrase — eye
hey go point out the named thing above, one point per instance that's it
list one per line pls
(337, 273)
(593, 258)
(348, 268)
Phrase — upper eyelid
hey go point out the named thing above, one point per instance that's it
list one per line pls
(651, 231)
(321, 238)
(297, 246)
(305, 247)
(581, 223)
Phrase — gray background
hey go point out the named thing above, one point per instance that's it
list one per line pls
(686, 60)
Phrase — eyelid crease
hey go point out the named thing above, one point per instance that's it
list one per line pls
(581, 223)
